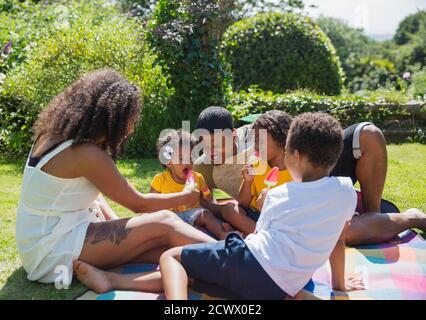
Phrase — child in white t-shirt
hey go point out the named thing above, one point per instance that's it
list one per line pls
(302, 224)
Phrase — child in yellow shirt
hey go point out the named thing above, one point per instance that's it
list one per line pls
(276, 123)
(175, 156)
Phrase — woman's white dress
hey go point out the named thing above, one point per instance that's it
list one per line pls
(52, 219)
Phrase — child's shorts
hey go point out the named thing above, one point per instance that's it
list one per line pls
(253, 214)
(191, 215)
(228, 269)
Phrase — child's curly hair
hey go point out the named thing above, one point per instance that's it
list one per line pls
(100, 107)
(277, 123)
(317, 135)
(173, 139)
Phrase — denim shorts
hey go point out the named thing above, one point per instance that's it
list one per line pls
(228, 269)
(191, 215)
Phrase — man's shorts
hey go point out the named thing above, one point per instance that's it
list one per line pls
(228, 269)
(346, 165)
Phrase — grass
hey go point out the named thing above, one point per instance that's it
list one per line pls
(405, 186)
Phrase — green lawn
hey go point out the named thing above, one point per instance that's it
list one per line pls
(405, 187)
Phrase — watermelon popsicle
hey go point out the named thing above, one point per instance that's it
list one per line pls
(190, 179)
(271, 179)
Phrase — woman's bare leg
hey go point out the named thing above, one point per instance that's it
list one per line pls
(102, 281)
(174, 277)
(117, 242)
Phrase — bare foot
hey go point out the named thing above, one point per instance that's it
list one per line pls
(93, 278)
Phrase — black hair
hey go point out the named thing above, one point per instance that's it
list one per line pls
(277, 123)
(319, 136)
(215, 117)
(100, 106)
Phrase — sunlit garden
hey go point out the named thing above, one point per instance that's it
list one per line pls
(247, 56)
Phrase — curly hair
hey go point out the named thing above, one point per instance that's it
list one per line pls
(100, 107)
(277, 123)
(174, 139)
(317, 135)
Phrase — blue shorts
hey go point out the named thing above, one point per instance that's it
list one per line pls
(228, 269)
(191, 215)
(253, 214)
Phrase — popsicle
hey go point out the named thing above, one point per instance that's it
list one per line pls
(190, 179)
(271, 179)
(255, 159)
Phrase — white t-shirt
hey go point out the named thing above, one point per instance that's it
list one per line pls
(298, 228)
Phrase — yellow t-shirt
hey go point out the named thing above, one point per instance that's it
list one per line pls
(164, 183)
(259, 184)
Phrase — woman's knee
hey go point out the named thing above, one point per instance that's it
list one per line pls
(167, 216)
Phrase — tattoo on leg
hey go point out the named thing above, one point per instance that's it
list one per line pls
(115, 232)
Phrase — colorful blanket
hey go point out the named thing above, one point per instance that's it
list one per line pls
(394, 270)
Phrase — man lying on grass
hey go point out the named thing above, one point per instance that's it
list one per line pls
(301, 225)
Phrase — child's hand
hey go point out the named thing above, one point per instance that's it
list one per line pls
(192, 194)
(248, 173)
(261, 199)
(354, 282)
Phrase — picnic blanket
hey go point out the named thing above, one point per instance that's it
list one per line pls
(395, 270)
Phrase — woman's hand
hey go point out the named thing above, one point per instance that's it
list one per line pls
(192, 195)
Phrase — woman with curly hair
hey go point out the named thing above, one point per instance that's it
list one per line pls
(63, 222)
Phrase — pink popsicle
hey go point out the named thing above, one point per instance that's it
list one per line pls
(271, 179)
(190, 179)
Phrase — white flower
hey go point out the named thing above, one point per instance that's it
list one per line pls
(406, 75)
(166, 154)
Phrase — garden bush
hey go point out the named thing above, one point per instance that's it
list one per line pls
(369, 73)
(348, 109)
(88, 44)
(418, 84)
(281, 52)
(185, 36)
(409, 26)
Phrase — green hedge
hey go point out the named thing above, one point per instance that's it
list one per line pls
(56, 61)
(347, 109)
(281, 52)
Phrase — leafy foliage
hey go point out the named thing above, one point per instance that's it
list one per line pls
(347, 109)
(280, 52)
(409, 27)
(185, 35)
(58, 60)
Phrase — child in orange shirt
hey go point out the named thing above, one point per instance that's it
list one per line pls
(172, 149)
(277, 124)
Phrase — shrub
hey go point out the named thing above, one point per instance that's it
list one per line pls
(418, 84)
(61, 58)
(279, 52)
(185, 36)
(23, 24)
(409, 26)
(347, 109)
(369, 73)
